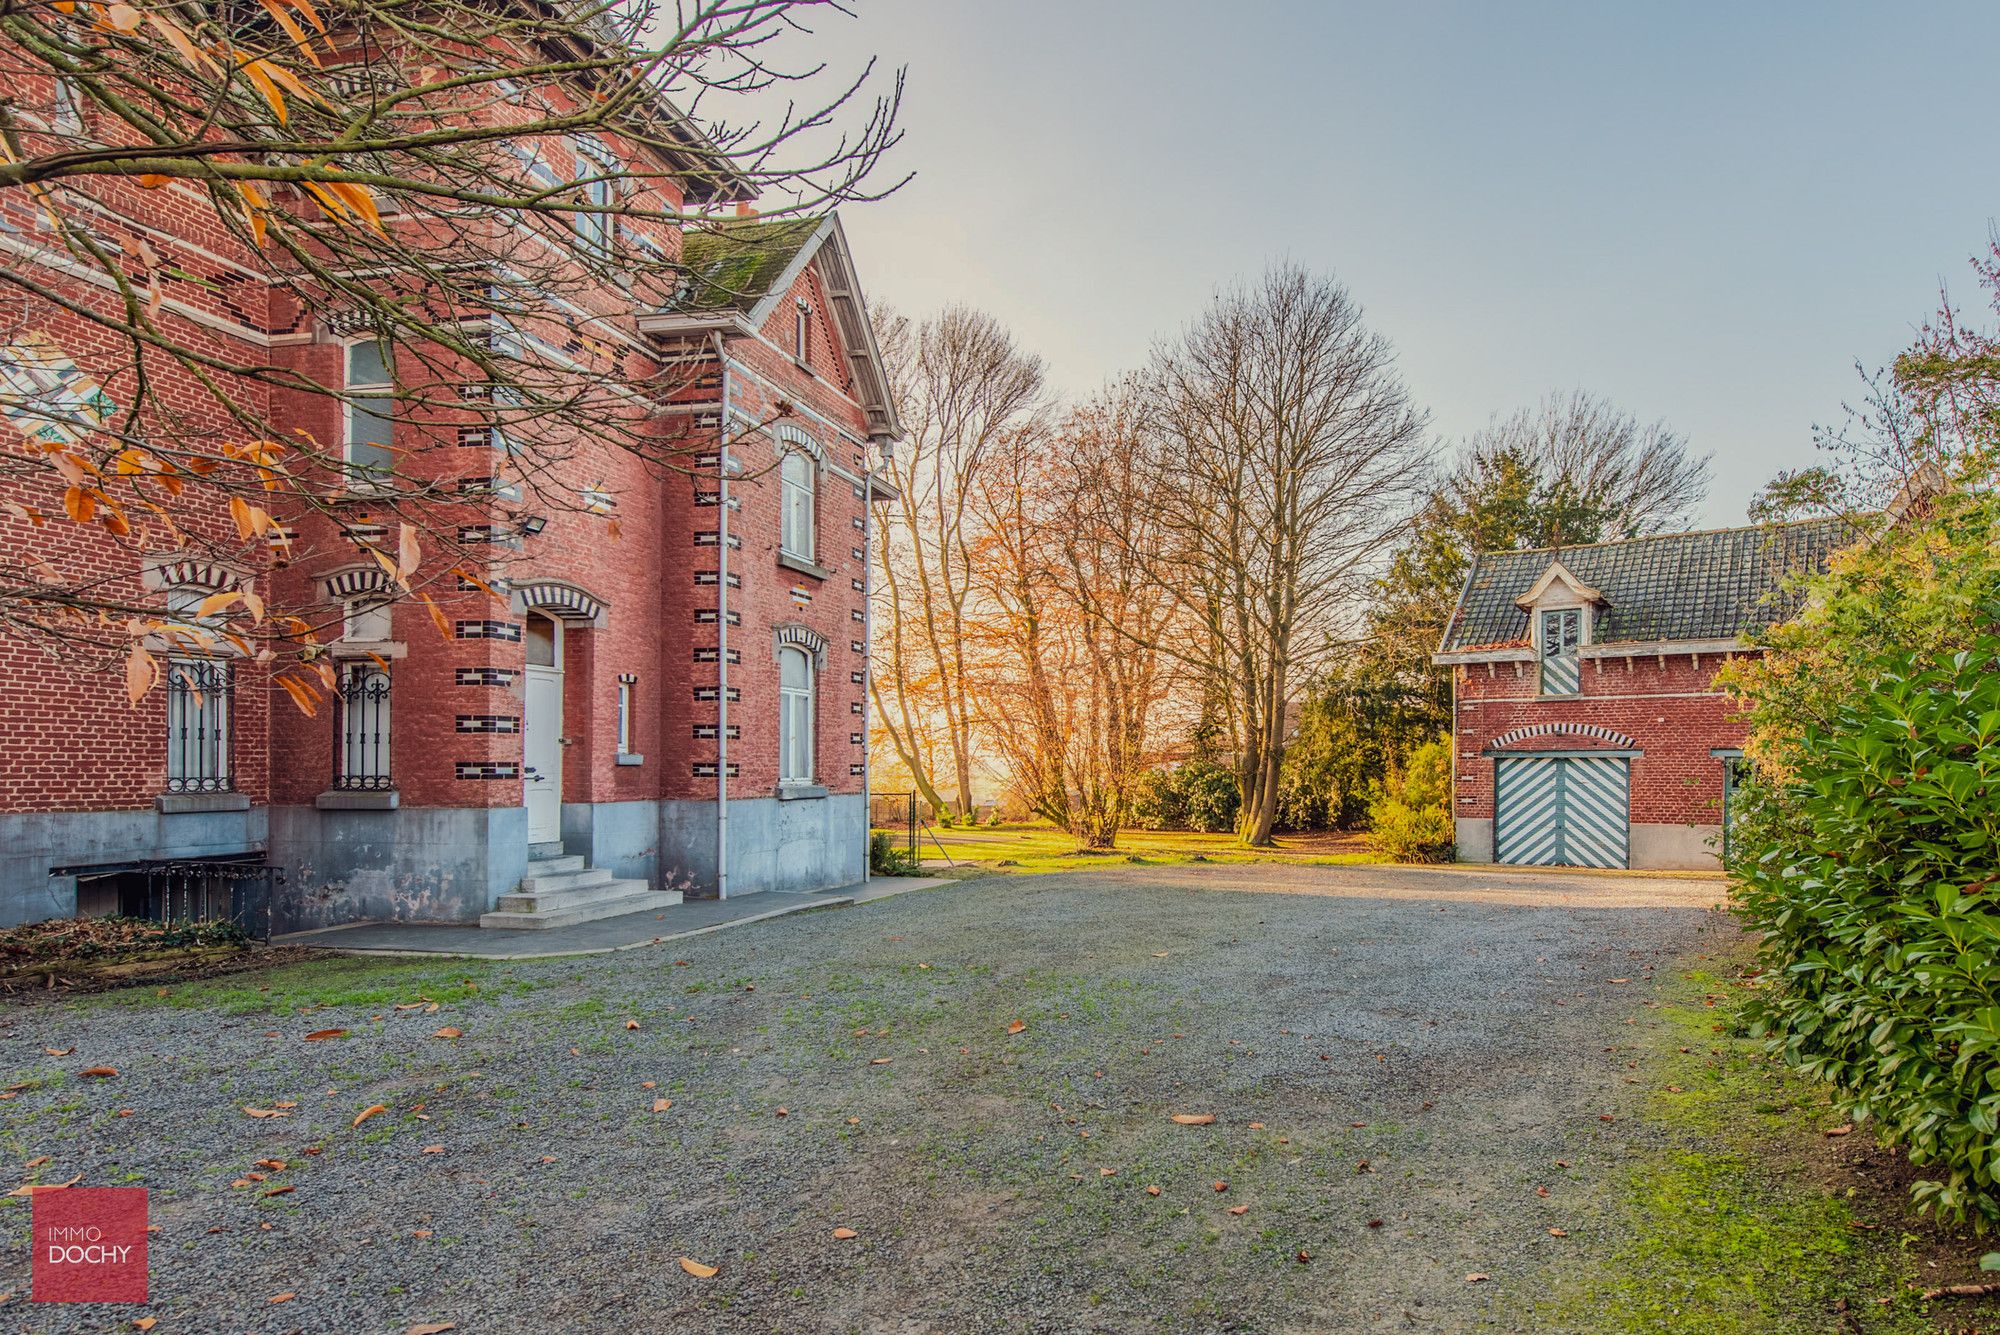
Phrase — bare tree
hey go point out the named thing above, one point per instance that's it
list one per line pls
(1595, 467)
(1284, 451)
(1071, 620)
(962, 387)
(487, 194)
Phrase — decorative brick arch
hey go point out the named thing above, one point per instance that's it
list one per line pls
(797, 636)
(353, 581)
(558, 598)
(1590, 730)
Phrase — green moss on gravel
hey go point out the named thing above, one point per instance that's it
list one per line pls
(1724, 1225)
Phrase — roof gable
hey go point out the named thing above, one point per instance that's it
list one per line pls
(748, 266)
(1713, 585)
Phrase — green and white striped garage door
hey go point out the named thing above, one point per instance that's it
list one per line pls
(1561, 811)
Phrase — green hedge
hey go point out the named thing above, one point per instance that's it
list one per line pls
(1873, 868)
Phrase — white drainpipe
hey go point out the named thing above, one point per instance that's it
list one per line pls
(722, 635)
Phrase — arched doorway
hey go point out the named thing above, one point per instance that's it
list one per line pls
(542, 728)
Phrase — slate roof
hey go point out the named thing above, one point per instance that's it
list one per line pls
(1712, 585)
(733, 265)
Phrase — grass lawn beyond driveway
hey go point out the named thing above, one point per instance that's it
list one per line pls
(1441, 1100)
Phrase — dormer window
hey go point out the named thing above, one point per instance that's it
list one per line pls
(1562, 635)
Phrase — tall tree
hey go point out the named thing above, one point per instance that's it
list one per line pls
(1072, 677)
(962, 387)
(1284, 452)
(485, 193)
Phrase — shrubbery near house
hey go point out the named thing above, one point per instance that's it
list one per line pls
(1197, 795)
(888, 857)
(1409, 815)
(1869, 845)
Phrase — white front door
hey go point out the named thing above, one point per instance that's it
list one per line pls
(541, 731)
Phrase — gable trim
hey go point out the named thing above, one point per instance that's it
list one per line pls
(1558, 571)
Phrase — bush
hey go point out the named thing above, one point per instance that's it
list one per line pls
(1409, 816)
(1868, 844)
(888, 857)
(1196, 795)
(1874, 877)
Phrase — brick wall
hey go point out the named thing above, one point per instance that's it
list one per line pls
(1669, 708)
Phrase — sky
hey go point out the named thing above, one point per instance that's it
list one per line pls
(1705, 213)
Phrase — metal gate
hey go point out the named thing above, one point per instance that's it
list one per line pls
(1562, 811)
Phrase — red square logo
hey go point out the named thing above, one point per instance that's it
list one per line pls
(90, 1245)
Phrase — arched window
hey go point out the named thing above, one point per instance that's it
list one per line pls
(796, 477)
(795, 715)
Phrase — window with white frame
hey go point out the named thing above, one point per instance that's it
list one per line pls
(595, 169)
(200, 723)
(624, 718)
(802, 331)
(366, 622)
(371, 389)
(1562, 633)
(797, 477)
(795, 715)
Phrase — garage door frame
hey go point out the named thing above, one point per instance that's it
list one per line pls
(1554, 851)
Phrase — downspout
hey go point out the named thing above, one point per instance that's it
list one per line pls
(867, 659)
(722, 631)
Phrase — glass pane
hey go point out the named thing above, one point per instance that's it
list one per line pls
(793, 671)
(367, 364)
(541, 638)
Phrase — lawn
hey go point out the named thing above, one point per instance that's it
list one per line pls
(1041, 847)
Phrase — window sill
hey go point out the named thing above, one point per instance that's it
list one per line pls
(628, 758)
(803, 566)
(795, 792)
(368, 649)
(341, 799)
(183, 804)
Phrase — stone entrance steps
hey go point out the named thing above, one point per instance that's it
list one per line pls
(560, 891)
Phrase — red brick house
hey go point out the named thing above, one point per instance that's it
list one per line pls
(679, 709)
(1587, 729)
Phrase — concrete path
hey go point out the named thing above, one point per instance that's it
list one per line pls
(628, 931)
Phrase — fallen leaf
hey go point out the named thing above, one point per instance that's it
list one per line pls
(1239, 1209)
(1541, 1191)
(1194, 1119)
(449, 1031)
(127, 1112)
(631, 1024)
(409, 1005)
(432, 1149)
(845, 1234)
(648, 1084)
(289, 1103)
(264, 1112)
(98, 1072)
(1221, 1186)
(1256, 1126)
(1152, 1191)
(58, 1052)
(661, 1105)
(1558, 1232)
(275, 1165)
(1606, 1117)
(1560, 1163)
(1017, 1027)
(318, 1035)
(145, 1322)
(37, 1161)
(421, 1233)
(1159, 954)
(284, 1297)
(1621, 980)
(431, 1328)
(368, 1112)
(1477, 1277)
(280, 1191)
(1303, 1256)
(698, 1270)
(1374, 1223)
(1836, 1131)
(29, 1189)
(782, 1112)
(881, 1061)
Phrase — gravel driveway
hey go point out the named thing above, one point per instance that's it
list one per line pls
(1395, 1060)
